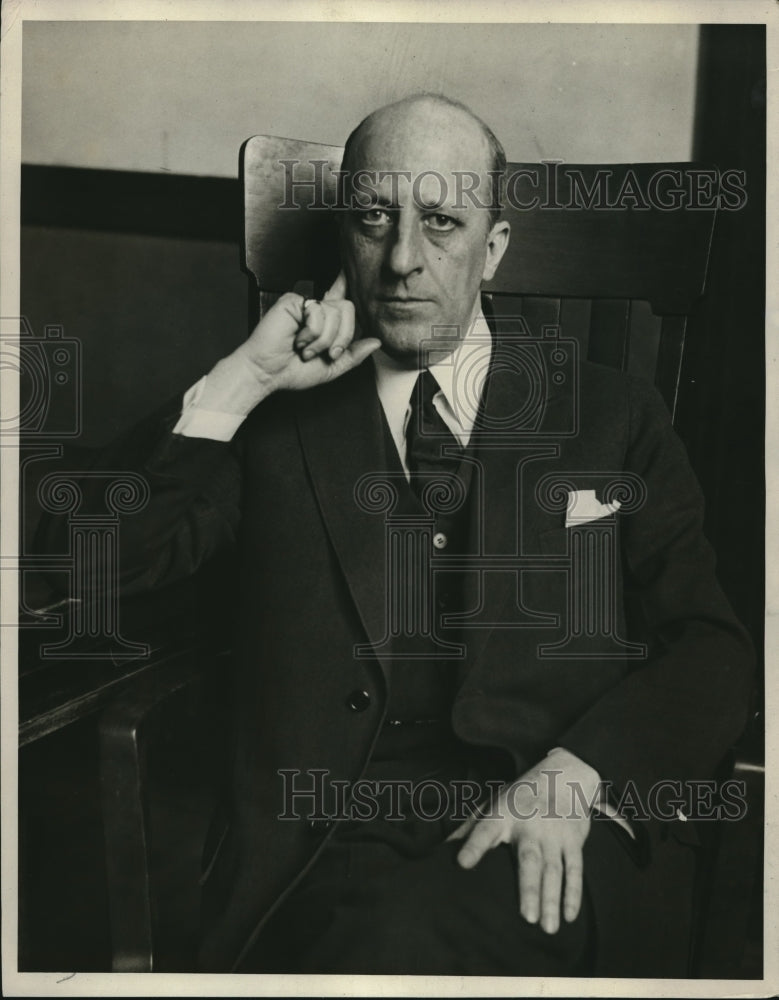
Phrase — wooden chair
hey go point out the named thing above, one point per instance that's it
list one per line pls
(623, 283)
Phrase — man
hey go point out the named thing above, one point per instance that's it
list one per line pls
(275, 453)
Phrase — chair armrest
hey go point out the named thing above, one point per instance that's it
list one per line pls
(127, 728)
(734, 868)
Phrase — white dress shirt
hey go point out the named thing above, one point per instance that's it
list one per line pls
(460, 376)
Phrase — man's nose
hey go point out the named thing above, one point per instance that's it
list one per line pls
(405, 252)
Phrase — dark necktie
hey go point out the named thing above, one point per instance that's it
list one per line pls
(431, 448)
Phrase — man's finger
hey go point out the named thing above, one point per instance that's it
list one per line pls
(345, 331)
(290, 305)
(354, 355)
(484, 835)
(462, 831)
(338, 288)
(320, 333)
(551, 889)
(574, 882)
(314, 323)
(530, 864)
(330, 326)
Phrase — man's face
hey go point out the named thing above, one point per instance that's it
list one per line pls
(413, 260)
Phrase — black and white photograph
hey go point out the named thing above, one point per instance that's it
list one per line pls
(386, 446)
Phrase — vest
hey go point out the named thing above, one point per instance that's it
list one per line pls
(417, 724)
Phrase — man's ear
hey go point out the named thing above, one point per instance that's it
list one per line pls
(497, 241)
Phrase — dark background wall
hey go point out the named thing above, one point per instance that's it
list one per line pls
(722, 395)
(152, 314)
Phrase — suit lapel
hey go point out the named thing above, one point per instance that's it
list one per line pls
(342, 438)
(503, 507)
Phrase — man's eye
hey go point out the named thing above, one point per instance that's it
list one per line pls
(375, 217)
(440, 223)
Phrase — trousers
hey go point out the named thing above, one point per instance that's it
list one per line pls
(389, 898)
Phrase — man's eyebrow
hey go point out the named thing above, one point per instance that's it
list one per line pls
(364, 200)
(437, 205)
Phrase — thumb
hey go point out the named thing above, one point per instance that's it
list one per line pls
(462, 831)
(338, 288)
(484, 836)
(355, 354)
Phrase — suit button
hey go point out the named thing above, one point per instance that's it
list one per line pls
(358, 701)
(440, 540)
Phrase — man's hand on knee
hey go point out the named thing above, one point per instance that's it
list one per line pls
(544, 817)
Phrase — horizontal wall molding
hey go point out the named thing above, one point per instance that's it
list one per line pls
(120, 201)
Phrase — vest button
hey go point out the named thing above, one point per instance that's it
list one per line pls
(358, 701)
(440, 540)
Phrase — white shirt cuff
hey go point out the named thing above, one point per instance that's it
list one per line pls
(199, 423)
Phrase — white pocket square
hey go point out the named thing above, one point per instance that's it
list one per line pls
(583, 507)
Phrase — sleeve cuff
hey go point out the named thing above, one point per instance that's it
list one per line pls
(605, 808)
(198, 423)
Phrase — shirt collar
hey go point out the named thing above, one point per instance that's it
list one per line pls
(460, 375)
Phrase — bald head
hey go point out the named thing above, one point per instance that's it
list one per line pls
(419, 232)
(426, 128)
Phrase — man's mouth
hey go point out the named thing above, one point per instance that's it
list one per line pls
(401, 298)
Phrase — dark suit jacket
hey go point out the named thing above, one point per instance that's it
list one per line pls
(311, 588)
